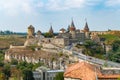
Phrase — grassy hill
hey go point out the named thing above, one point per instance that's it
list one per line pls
(110, 38)
(7, 40)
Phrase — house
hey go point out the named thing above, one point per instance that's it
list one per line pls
(87, 71)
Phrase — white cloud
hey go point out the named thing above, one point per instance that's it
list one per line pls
(74, 3)
(113, 3)
(14, 7)
(68, 4)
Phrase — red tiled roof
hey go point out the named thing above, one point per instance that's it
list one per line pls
(109, 76)
(72, 28)
(81, 70)
(87, 71)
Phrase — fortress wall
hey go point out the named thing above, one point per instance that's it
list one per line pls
(11, 46)
(50, 50)
(67, 52)
(60, 42)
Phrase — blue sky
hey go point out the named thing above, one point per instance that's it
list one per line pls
(17, 15)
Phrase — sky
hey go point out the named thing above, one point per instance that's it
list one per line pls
(17, 15)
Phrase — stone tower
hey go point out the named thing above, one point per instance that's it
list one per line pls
(51, 30)
(72, 29)
(72, 26)
(86, 31)
(86, 28)
(31, 32)
(39, 32)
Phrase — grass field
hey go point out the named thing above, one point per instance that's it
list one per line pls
(7, 40)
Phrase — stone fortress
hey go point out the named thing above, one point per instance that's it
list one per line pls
(37, 48)
(50, 51)
(64, 38)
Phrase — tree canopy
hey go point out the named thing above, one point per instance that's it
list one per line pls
(59, 76)
(27, 74)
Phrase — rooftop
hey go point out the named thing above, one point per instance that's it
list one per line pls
(87, 71)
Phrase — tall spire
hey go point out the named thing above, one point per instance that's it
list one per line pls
(51, 30)
(72, 26)
(72, 23)
(86, 28)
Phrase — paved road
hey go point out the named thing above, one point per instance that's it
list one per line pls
(92, 59)
(95, 60)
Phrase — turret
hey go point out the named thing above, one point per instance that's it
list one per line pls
(86, 28)
(51, 30)
(31, 32)
(72, 29)
(72, 26)
(39, 32)
(62, 30)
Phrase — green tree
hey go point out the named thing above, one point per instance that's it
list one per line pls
(36, 65)
(30, 66)
(27, 74)
(59, 76)
(114, 54)
(115, 57)
(1, 64)
(6, 71)
(22, 65)
(116, 45)
(109, 38)
(1, 55)
(2, 77)
(92, 48)
(48, 35)
(89, 44)
(14, 62)
(118, 79)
